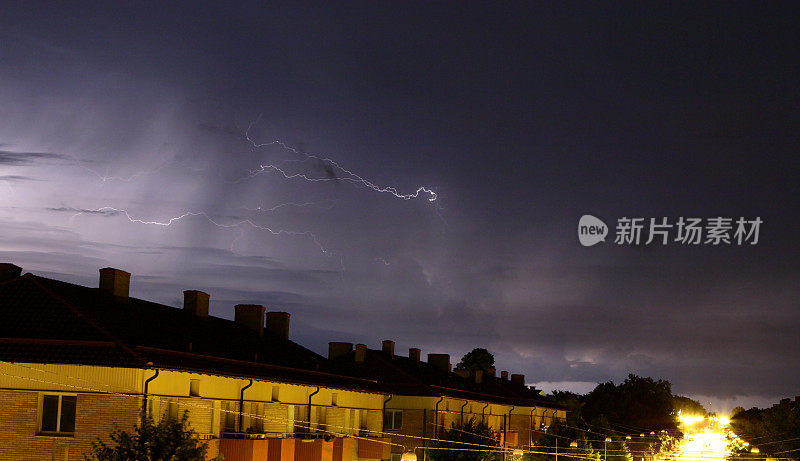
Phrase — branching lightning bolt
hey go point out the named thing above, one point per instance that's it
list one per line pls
(330, 204)
(348, 176)
(238, 224)
(335, 172)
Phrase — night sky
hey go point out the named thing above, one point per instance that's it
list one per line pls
(298, 136)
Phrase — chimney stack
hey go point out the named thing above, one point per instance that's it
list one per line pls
(278, 324)
(478, 376)
(337, 349)
(491, 372)
(115, 281)
(388, 347)
(504, 375)
(9, 271)
(361, 353)
(440, 361)
(196, 302)
(413, 354)
(250, 316)
(518, 380)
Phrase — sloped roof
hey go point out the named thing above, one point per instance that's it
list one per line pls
(403, 376)
(48, 321)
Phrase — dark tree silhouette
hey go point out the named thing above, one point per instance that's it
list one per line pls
(477, 359)
(168, 440)
(472, 441)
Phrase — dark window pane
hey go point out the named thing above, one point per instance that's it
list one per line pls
(68, 404)
(49, 413)
(387, 419)
(398, 419)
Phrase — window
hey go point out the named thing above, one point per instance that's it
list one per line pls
(58, 413)
(229, 419)
(194, 387)
(172, 410)
(392, 420)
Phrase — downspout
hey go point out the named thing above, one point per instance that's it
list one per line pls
(462, 412)
(309, 407)
(505, 431)
(483, 411)
(530, 436)
(436, 418)
(241, 405)
(144, 402)
(391, 396)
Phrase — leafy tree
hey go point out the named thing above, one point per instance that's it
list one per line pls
(477, 359)
(557, 439)
(736, 411)
(775, 431)
(168, 440)
(688, 406)
(472, 439)
(637, 402)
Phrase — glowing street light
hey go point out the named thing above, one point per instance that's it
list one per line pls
(573, 444)
(755, 450)
(605, 448)
(408, 456)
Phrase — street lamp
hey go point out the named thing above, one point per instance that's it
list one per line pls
(408, 456)
(755, 450)
(573, 444)
(605, 448)
(627, 437)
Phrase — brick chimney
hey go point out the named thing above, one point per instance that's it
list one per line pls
(518, 380)
(337, 349)
(196, 302)
(504, 375)
(115, 281)
(478, 376)
(413, 354)
(440, 361)
(250, 316)
(9, 271)
(388, 347)
(361, 353)
(278, 324)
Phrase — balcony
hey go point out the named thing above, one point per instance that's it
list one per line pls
(306, 449)
(374, 447)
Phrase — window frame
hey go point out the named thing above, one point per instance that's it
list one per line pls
(392, 415)
(58, 432)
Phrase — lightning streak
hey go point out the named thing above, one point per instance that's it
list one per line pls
(238, 224)
(330, 204)
(348, 176)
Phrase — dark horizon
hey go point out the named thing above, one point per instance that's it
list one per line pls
(431, 166)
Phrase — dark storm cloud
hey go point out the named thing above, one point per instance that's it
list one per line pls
(108, 213)
(14, 178)
(13, 158)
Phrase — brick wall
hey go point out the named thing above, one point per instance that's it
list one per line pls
(95, 413)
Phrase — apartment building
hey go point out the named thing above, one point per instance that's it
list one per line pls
(426, 398)
(75, 361)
